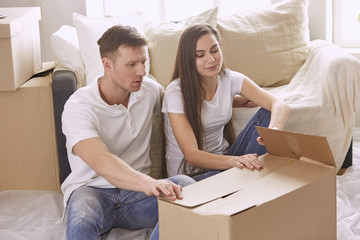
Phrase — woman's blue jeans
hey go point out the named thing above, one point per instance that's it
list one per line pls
(246, 142)
(95, 211)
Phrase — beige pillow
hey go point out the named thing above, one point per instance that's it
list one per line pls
(164, 39)
(89, 30)
(268, 45)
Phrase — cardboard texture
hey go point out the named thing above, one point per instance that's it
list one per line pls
(19, 46)
(293, 197)
(28, 154)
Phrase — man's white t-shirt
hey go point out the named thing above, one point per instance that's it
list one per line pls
(125, 131)
(215, 115)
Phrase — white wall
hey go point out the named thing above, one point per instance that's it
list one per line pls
(54, 14)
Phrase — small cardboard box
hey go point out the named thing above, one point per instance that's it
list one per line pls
(293, 197)
(28, 156)
(19, 46)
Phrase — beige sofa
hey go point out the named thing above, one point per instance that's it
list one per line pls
(316, 78)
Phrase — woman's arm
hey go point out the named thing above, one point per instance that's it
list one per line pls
(185, 137)
(240, 101)
(279, 109)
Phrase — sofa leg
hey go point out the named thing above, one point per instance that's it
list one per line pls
(349, 157)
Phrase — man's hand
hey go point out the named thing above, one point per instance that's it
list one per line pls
(163, 187)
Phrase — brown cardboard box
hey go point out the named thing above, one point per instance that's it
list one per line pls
(28, 156)
(293, 197)
(19, 46)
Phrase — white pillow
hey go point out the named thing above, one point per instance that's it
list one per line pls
(268, 45)
(89, 31)
(164, 39)
(65, 45)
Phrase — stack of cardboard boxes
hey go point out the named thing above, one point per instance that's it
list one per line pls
(28, 154)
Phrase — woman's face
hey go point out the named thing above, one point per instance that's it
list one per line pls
(208, 57)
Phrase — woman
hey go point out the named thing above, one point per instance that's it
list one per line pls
(198, 108)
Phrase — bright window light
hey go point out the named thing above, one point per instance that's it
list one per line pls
(346, 23)
(95, 8)
(228, 7)
(350, 24)
(175, 10)
(149, 9)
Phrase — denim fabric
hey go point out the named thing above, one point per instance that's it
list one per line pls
(207, 174)
(95, 211)
(246, 142)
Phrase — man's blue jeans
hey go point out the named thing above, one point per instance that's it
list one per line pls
(95, 211)
(246, 142)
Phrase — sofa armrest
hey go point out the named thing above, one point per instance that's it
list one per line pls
(341, 98)
(64, 83)
(323, 98)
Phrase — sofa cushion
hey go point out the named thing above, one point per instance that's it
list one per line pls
(268, 45)
(65, 45)
(164, 38)
(89, 30)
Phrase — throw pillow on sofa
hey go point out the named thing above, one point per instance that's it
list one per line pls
(164, 39)
(65, 45)
(89, 30)
(268, 45)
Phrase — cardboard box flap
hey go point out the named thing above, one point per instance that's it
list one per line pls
(293, 176)
(17, 19)
(297, 145)
(227, 182)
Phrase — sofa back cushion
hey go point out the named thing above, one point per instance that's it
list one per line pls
(268, 45)
(164, 39)
(65, 45)
(89, 30)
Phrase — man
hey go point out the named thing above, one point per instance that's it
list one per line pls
(107, 127)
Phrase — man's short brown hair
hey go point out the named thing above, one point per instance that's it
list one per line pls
(119, 35)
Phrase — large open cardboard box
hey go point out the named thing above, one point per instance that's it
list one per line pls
(19, 46)
(28, 154)
(293, 197)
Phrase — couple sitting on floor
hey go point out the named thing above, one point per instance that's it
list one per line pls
(108, 126)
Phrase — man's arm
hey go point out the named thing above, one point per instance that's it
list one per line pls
(94, 152)
(279, 109)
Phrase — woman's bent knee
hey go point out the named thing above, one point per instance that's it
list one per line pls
(182, 180)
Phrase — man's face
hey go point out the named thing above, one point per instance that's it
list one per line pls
(128, 67)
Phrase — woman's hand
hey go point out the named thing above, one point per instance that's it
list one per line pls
(249, 161)
(260, 140)
(240, 101)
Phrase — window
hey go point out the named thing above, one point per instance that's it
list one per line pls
(227, 7)
(175, 10)
(346, 23)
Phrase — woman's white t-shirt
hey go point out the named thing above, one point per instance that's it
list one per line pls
(214, 116)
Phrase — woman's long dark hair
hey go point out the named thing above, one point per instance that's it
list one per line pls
(192, 91)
